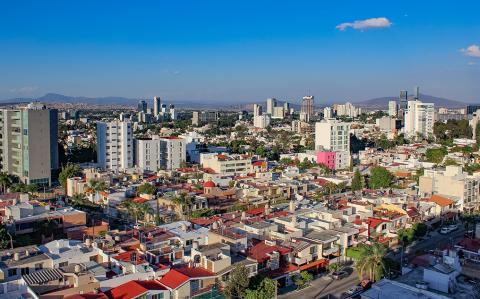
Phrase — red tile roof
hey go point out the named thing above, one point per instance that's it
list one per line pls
(440, 200)
(126, 257)
(470, 244)
(176, 277)
(133, 289)
(374, 222)
(260, 251)
(87, 296)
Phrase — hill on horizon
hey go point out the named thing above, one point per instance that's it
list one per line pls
(382, 102)
(379, 103)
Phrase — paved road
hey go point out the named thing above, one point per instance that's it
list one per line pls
(435, 240)
(325, 286)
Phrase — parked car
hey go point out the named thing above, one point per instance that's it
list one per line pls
(453, 227)
(445, 230)
(339, 275)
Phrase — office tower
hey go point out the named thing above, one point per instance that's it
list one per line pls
(327, 113)
(271, 104)
(286, 107)
(142, 106)
(392, 108)
(403, 99)
(157, 153)
(417, 92)
(115, 145)
(29, 146)
(157, 106)
(419, 119)
(332, 136)
(307, 106)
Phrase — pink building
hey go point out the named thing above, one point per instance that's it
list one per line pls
(327, 158)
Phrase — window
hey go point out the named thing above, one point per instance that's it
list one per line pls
(63, 264)
(157, 296)
(38, 266)
(12, 272)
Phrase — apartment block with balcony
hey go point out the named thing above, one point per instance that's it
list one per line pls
(28, 143)
(115, 145)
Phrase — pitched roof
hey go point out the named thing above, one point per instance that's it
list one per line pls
(87, 296)
(133, 289)
(440, 200)
(261, 251)
(176, 277)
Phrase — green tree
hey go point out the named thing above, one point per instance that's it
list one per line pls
(371, 264)
(266, 290)
(333, 267)
(237, 283)
(6, 181)
(436, 155)
(68, 171)
(147, 188)
(357, 181)
(380, 177)
(4, 237)
(302, 280)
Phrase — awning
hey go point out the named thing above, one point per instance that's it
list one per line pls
(318, 263)
(43, 276)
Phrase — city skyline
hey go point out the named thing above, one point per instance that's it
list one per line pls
(219, 52)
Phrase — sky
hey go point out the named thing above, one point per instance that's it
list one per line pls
(240, 51)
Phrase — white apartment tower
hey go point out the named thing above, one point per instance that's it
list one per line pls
(327, 113)
(419, 118)
(115, 145)
(153, 154)
(28, 143)
(392, 108)
(334, 136)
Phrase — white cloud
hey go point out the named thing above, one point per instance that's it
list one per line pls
(472, 51)
(366, 24)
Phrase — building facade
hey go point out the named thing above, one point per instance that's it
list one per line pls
(29, 147)
(115, 145)
(419, 118)
(334, 136)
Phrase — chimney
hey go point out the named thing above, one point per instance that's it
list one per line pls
(27, 253)
(195, 245)
(78, 269)
(244, 215)
(16, 256)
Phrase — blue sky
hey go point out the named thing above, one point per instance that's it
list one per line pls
(240, 51)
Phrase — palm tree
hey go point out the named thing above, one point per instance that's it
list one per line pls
(97, 186)
(184, 202)
(5, 181)
(371, 262)
(78, 199)
(137, 210)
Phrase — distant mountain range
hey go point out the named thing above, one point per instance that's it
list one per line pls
(379, 103)
(382, 103)
(59, 98)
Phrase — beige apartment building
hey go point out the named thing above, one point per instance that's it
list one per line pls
(453, 183)
(226, 164)
(28, 143)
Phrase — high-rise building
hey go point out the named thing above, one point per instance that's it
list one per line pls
(417, 93)
(334, 136)
(204, 117)
(392, 108)
(419, 118)
(157, 106)
(307, 106)
(157, 153)
(327, 113)
(257, 110)
(28, 138)
(403, 99)
(271, 104)
(347, 109)
(472, 109)
(142, 106)
(115, 145)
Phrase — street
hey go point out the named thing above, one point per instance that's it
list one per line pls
(324, 286)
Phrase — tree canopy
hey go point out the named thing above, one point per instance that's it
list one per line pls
(380, 177)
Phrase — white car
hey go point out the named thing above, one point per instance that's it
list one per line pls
(453, 227)
(445, 230)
